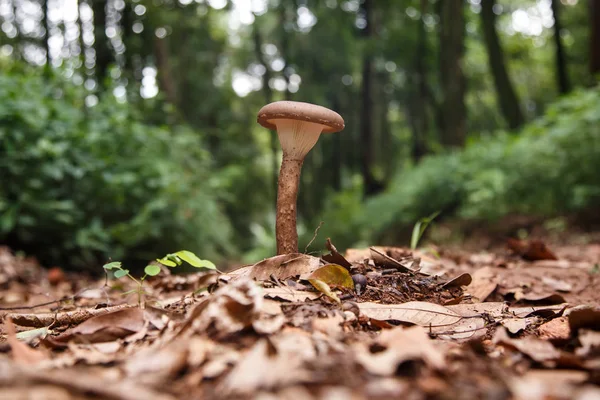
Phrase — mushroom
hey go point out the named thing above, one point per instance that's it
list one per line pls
(298, 126)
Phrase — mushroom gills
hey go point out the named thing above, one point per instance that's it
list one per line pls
(297, 137)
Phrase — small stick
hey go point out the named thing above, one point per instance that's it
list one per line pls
(314, 237)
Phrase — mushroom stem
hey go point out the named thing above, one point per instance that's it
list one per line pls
(287, 193)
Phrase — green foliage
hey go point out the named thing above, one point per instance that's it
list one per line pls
(550, 167)
(419, 229)
(78, 184)
(170, 260)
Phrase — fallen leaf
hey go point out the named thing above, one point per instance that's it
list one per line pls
(333, 275)
(542, 298)
(282, 267)
(556, 284)
(588, 318)
(106, 327)
(335, 257)
(383, 260)
(438, 319)
(556, 329)
(154, 367)
(21, 352)
(324, 288)
(463, 279)
(515, 325)
(484, 282)
(268, 366)
(536, 349)
(395, 346)
(530, 250)
(589, 341)
(289, 294)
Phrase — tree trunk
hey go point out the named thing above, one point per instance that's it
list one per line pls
(452, 79)
(507, 97)
(595, 39)
(419, 111)
(371, 186)
(46, 22)
(268, 93)
(101, 46)
(562, 78)
(166, 81)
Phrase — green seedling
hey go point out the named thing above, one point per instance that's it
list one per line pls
(170, 260)
(419, 229)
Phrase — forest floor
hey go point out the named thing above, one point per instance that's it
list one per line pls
(512, 322)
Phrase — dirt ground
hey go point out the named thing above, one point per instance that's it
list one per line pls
(500, 320)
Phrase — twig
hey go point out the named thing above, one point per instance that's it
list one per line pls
(59, 319)
(47, 303)
(314, 236)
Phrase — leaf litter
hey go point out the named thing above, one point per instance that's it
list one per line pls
(380, 322)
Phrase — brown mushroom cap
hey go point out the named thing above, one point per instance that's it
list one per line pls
(332, 121)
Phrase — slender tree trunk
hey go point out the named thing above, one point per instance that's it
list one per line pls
(371, 186)
(101, 46)
(452, 79)
(284, 47)
(595, 39)
(507, 97)
(268, 93)
(127, 18)
(166, 81)
(46, 22)
(420, 125)
(562, 77)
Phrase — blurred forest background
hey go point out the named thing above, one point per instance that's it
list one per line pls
(128, 127)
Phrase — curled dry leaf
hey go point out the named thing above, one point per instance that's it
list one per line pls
(335, 257)
(106, 327)
(21, 352)
(515, 325)
(556, 329)
(324, 288)
(484, 282)
(532, 250)
(439, 320)
(383, 260)
(282, 267)
(232, 308)
(155, 367)
(271, 364)
(538, 350)
(587, 317)
(333, 275)
(461, 280)
(399, 345)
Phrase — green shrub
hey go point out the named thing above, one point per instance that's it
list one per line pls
(551, 167)
(78, 186)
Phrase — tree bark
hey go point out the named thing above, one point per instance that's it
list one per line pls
(268, 94)
(371, 186)
(595, 39)
(101, 46)
(166, 81)
(420, 125)
(452, 79)
(507, 97)
(46, 23)
(562, 77)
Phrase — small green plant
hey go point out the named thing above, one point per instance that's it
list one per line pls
(419, 229)
(170, 260)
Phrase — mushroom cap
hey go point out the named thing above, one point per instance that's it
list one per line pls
(296, 110)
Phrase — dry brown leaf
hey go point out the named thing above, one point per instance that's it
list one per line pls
(21, 352)
(556, 329)
(515, 325)
(585, 318)
(289, 294)
(270, 365)
(281, 267)
(335, 257)
(532, 250)
(557, 284)
(543, 298)
(399, 345)
(463, 279)
(383, 260)
(106, 327)
(157, 366)
(538, 350)
(440, 320)
(484, 282)
(590, 343)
